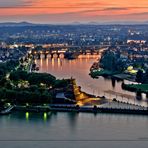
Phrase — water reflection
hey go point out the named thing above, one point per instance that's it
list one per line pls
(79, 69)
(59, 63)
(45, 117)
(30, 117)
(41, 62)
(52, 62)
(139, 96)
(47, 61)
(70, 126)
(73, 119)
(27, 116)
(113, 82)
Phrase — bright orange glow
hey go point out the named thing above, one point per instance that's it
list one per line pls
(47, 62)
(41, 62)
(78, 10)
(59, 62)
(52, 62)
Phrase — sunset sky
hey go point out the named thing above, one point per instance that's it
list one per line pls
(67, 11)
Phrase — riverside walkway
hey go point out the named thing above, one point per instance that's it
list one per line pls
(110, 107)
(114, 107)
(122, 105)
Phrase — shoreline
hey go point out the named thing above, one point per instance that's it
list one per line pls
(84, 109)
(139, 88)
(111, 107)
(112, 75)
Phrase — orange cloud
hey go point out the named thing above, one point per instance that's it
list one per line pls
(77, 8)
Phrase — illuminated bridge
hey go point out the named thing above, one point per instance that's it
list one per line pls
(65, 50)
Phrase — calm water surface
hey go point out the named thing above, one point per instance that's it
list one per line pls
(74, 130)
(79, 69)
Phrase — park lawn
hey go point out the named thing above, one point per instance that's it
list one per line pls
(102, 73)
(141, 87)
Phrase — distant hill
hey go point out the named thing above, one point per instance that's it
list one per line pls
(127, 22)
(111, 23)
(75, 23)
(21, 24)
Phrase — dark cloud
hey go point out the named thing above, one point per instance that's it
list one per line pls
(100, 10)
(86, 5)
(115, 8)
(138, 14)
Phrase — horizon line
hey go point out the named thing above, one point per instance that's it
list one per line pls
(81, 23)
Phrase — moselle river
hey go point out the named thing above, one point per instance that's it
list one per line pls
(79, 69)
(74, 130)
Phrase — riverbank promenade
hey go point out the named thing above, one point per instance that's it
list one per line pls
(122, 105)
(113, 107)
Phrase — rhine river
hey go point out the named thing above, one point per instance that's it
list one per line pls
(74, 130)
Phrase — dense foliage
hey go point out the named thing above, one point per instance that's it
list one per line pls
(142, 77)
(7, 67)
(33, 78)
(25, 96)
(111, 61)
(34, 88)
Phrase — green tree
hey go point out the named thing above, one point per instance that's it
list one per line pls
(139, 76)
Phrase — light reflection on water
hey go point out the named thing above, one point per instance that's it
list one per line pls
(76, 128)
(54, 130)
(27, 116)
(79, 69)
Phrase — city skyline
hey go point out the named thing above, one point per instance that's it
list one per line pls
(73, 73)
(64, 11)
